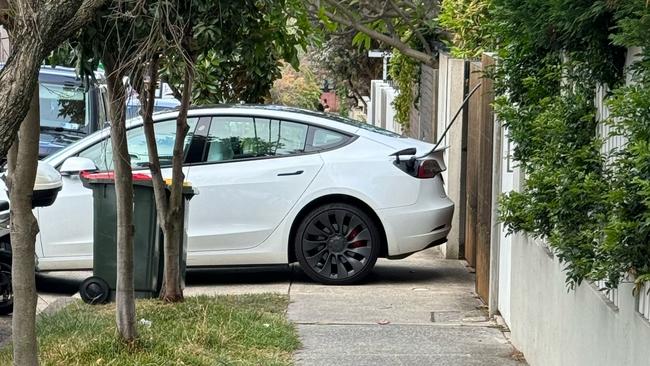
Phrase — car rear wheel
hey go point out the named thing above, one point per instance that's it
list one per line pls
(337, 244)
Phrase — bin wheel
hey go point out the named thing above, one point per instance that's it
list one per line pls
(94, 290)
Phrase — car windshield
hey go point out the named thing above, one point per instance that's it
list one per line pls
(63, 107)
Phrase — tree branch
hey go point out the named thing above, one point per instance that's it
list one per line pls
(415, 29)
(356, 93)
(391, 41)
(83, 16)
(175, 92)
(350, 21)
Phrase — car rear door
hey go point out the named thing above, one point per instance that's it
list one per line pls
(254, 171)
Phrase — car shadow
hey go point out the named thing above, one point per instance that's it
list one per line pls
(237, 275)
(58, 283)
(385, 273)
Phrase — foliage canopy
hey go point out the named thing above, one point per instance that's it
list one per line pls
(591, 206)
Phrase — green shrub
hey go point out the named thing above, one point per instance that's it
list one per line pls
(593, 210)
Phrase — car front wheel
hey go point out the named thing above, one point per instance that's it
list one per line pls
(337, 244)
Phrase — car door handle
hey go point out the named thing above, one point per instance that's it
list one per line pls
(297, 172)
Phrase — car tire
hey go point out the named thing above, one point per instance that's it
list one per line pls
(337, 244)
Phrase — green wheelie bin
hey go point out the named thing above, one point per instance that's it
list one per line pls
(148, 239)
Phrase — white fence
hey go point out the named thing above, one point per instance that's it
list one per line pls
(644, 301)
(610, 294)
(587, 326)
(612, 142)
(381, 112)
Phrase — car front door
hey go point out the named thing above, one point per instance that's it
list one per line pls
(66, 227)
(254, 172)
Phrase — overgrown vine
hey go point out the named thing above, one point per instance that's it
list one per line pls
(405, 73)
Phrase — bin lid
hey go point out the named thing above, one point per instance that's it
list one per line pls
(186, 184)
(109, 177)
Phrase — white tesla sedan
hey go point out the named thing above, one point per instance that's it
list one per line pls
(277, 185)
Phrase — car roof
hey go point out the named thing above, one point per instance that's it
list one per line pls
(290, 113)
(59, 75)
(320, 119)
(326, 120)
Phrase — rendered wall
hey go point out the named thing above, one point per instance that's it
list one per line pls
(556, 327)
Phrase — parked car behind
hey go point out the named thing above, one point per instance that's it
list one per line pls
(71, 108)
(276, 185)
(160, 105)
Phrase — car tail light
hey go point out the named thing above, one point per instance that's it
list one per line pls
(424, 167)
(428, 168)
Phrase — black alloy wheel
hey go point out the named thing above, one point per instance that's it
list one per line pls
(337, 244)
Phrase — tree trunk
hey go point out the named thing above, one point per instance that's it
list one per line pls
(24, 228)
(36, 30)
(169, 206)
(172, 290)
(18, 80)
(125, 297)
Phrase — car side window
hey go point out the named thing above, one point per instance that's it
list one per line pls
(102, 155)
(325, 139)
(234, 138)
(290, 138)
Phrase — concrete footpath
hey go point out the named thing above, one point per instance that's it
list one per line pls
(418, 311)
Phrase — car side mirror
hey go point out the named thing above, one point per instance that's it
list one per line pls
(75, 165)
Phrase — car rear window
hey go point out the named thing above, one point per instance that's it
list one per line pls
(324, 139)
(363, 125)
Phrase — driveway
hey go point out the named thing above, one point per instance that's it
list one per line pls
(417, 311)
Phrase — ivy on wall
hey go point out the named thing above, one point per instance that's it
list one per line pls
(593, 210)
(405, 73)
